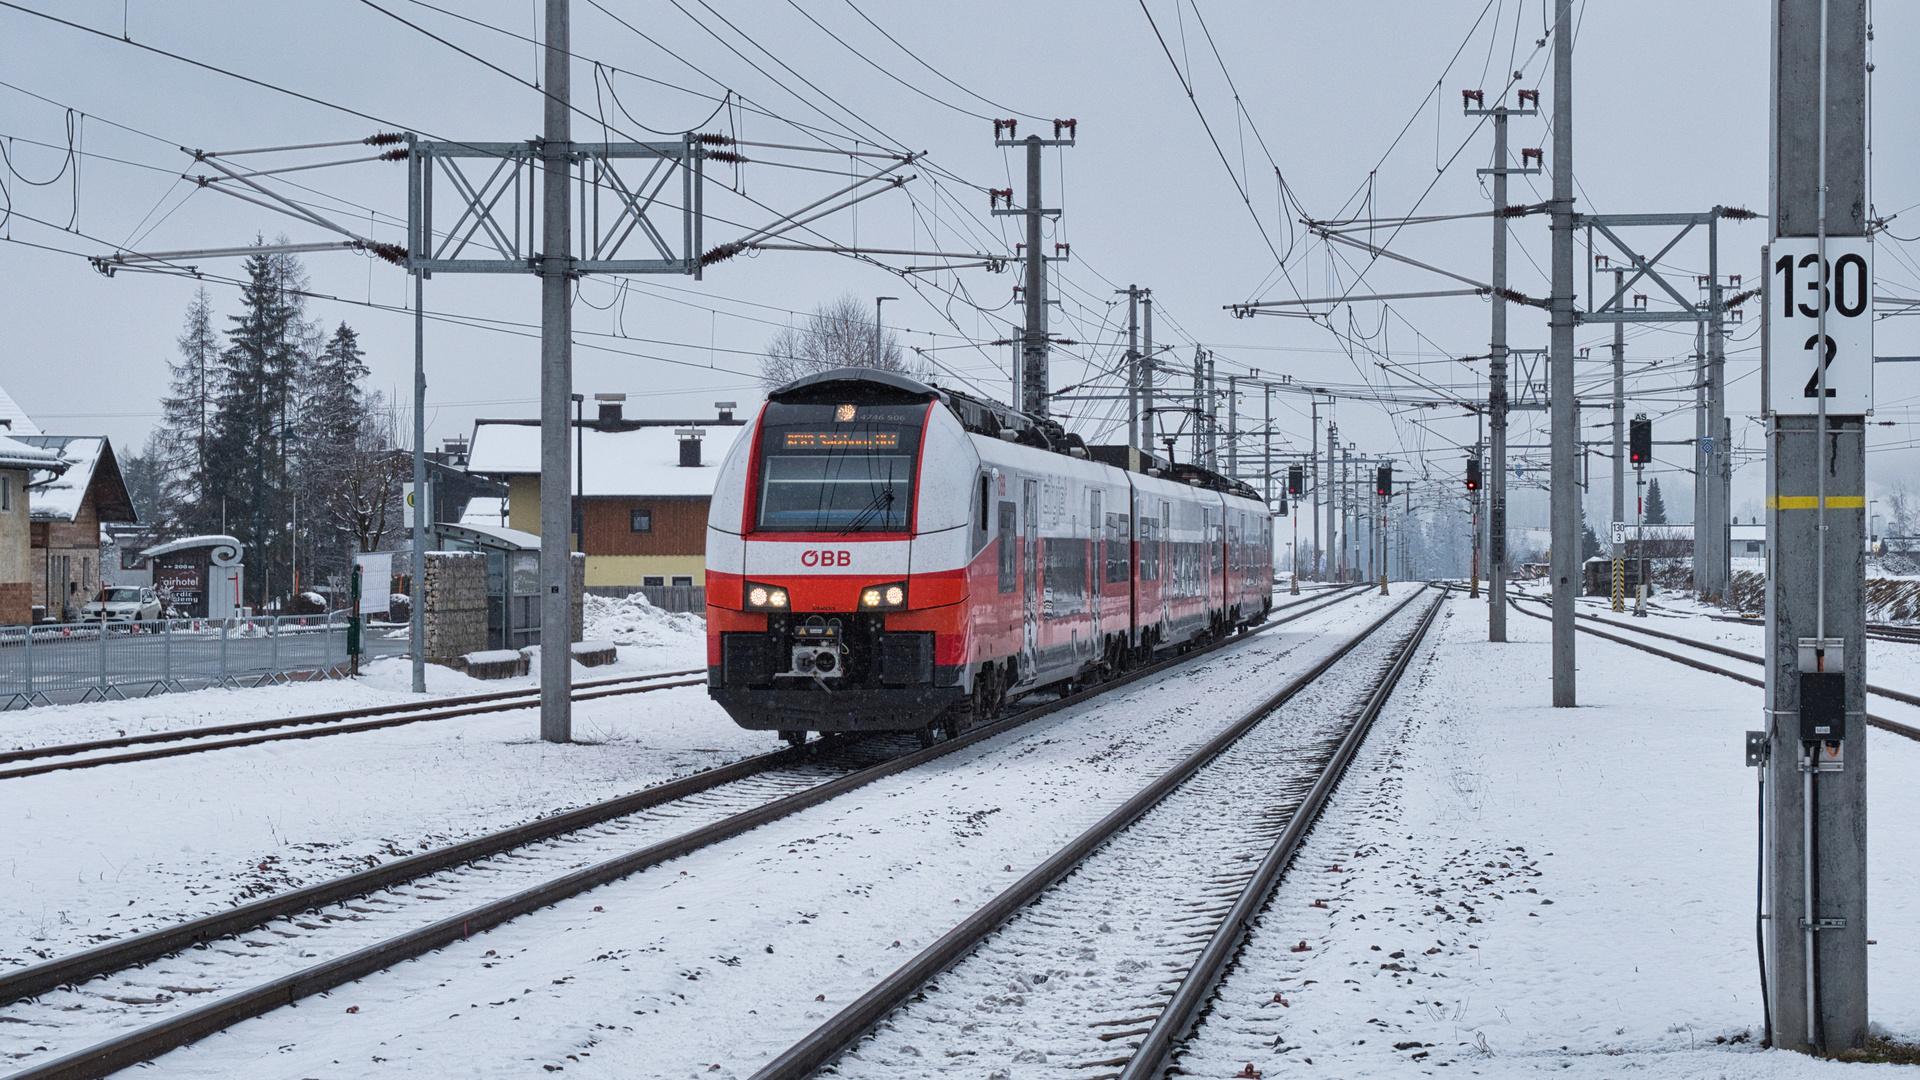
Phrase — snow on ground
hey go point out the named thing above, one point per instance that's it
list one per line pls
(1516, 890)
(649, 640)
(102, 852)
(710, 964)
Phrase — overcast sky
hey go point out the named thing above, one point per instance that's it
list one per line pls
(1358, 106)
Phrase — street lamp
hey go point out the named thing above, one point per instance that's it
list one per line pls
(877, 301)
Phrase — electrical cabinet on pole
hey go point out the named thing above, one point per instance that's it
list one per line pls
(1033, 341)
(1565, 502)
(1497, 365)
(556, 385)
(1817, 389)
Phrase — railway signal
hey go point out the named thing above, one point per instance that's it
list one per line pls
(1296, 480)
(1640, 441)
(1383, 482)
(1473, 474)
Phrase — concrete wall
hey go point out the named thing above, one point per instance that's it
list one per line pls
(456, 605)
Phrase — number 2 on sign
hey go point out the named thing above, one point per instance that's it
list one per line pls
(1813, 381)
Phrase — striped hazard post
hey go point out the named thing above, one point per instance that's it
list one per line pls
(1619, 567)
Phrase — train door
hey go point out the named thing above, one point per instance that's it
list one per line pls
(1096, 569)
(1030, 572)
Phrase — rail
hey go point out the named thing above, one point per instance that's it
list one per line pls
(147, 1042)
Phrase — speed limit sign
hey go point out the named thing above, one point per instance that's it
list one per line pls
(1798, 288)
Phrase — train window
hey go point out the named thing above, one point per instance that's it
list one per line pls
(822, 473)
(1009, 550)
(1117, 546)
(984, 499)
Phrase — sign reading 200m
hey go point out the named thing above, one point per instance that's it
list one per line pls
(1798, 289)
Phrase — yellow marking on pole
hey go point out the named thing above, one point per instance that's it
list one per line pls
(1812, 502)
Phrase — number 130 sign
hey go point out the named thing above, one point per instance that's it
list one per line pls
(1798, 288)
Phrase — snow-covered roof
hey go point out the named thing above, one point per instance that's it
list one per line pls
(484, 510)
(15, 454)
(90, 465)
(494, 536)
(218, 540)
(13, 419)
(642, 462)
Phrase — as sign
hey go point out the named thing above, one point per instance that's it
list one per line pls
(1798, 289)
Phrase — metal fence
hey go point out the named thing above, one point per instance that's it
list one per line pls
(675, 598)
(56, 663)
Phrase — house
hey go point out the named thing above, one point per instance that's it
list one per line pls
(18, 464)
(67, 509)
(642, 489)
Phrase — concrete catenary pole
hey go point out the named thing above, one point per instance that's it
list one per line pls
(1033, 351)
(1313, 481)
(1146, 371)
(1619, 409)
(1133, 378)
(556, 387)
(1496, 482)
(418, 646)
(1711, 554)
(1565, 568)
(1816, 825)
(1332, 571)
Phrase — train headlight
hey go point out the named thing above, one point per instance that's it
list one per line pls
(766, 597)
(881, 597)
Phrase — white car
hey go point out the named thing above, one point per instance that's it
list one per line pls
(124, 603)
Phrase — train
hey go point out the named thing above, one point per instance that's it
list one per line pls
(885, 554)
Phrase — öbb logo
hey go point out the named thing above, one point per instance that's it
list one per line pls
(825, 557)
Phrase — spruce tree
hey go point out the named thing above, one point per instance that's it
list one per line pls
(333, 407)
(178, 450)
(1656, 506)
(247, 450)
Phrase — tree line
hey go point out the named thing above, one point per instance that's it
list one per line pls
(268, 433)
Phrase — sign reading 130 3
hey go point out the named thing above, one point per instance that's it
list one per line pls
(1798, 288)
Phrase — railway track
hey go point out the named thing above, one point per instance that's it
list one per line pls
(1165, 883)
(1585, 618)
(369, 921)
(1875, 631)
(84, 755)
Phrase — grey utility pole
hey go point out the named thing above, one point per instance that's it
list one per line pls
(1700, 430)
(1133, 378)
(1565, 567)
(1712, 567)
(556, 387)
(1332, 570)
(1033, 349)
(1619, 411)
(1200, 406)
(1146, 371)
(418, 559)
(1033, 342)
(879, 341)
(1233, 426)
(1213, 418)
(1313, 480)
(1496, 484)
(1818, 292)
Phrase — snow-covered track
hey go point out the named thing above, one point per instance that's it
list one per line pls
(1880, 722)
(771, 791)
(1296, 759)
(195, 740)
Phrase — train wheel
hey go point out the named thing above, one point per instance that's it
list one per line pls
(794, 738)
(929, 735)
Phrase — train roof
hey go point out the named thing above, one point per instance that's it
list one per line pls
(993, 419)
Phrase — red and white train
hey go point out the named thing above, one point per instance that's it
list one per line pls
(887, 555)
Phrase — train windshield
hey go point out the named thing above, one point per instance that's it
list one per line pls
(838, 468)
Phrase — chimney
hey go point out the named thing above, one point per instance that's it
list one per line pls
(610, 408)
(689, 446)
(726, 410)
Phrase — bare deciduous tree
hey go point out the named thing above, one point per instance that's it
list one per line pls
(838, 334)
